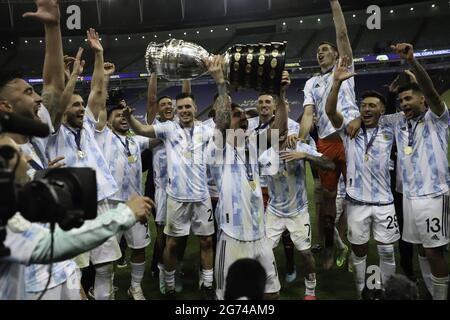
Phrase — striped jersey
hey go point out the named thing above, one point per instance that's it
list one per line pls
(368, 176)
(186, 163)
(424, 168)
(240, 210)
(316, 93)
(62, 143)
(117, 150)
(287, 188)
(212, 188)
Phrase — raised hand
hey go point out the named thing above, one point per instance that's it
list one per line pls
(412, 76)
(47, 12)
(127, 112)
(342, 72)
(67, 62)
(78, 65)
(285, 81)
(404, 50)
(93, 40)
(215, 67)
(110, 68)
(393, 87)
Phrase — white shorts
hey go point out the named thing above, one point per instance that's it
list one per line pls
(340, 206)
(183, 217)
(381, 219)
(426, 221)
(229, 250)
(161, 206)
(108, 251)
(299, 227)
(138, 236)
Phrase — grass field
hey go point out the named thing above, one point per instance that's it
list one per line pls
(335, 284)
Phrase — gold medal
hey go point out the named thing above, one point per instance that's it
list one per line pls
(366, 157)
(80, 154)
(252, 184)
(131, 159)
(408, 150)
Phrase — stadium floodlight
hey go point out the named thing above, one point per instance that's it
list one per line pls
(155, 36)
(143, 37)
(129, 38)
(226, 29)
(433, 5)
(12, 42)
(40, 41)
(198, 32)
(170, 34)
(354, 16)
(116, 39)
(412, 9)
(284, 23)
(392, 11)
(185, 33)
(301, 21)
(212, 30)
(70, 40)
(318, 19)
(26, 41)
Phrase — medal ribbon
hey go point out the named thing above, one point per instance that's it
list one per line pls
(372, 138)
(77, 135)
(125, 144)
(411, 131)
(248, 167)
(34, 164)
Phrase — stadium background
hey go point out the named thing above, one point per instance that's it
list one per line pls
(127, 26)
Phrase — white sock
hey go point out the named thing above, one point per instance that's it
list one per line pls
(337, 239)
(359, 268)
(103, 285)
(137, 273)
(440, 287)
(169, 276)
(426, 272)
(387, 261)
(207, 277)
(310, 285)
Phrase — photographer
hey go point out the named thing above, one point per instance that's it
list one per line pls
(32, 243)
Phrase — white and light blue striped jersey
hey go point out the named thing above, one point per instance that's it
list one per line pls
(316, 93)
(129, 174)
(368, 178)
(341, 188)
(288, 194)
(240, 209)
(186, 159)
(425, 171)
(293, 126)
(159, 164)
(293, 129)
(62, 143)
(21, 242)
(212, 188)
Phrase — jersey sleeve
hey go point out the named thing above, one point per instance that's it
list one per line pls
(309, 99)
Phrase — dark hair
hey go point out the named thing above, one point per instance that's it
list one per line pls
(332, 45)
(374, 94)
(114, 97)
(162, 97)
(399, 287)
(411, 86)
(184, 95)
(211, 113)
(7, 76)
(235, 106)
(245, 278)
(110, 109)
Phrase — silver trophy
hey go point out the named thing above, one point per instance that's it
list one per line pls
(257, 66)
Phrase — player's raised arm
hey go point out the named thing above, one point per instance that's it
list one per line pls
(281, 113)
(321, 163)
(109, 68)
(53, 73)
(340, 75)
(343, 42)
(434, 101)
(139, 128)
(223, 103)
(97, 96)
(152, 99)
(186, 87)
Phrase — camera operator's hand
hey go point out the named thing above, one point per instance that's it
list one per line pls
(57, 163)
(141, 207)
